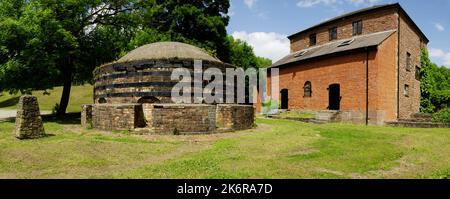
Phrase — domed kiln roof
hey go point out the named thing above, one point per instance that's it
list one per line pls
(167, 50)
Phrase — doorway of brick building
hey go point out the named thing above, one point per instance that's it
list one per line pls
(334, 93)
(284, 99)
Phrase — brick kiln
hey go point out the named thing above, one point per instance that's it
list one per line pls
(134, 93)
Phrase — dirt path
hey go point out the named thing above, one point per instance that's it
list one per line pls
(8, 114)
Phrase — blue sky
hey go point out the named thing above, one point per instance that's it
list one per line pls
(265, 24)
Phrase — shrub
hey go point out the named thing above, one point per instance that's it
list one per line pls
(55, 109)
(442, 116)
(270, 107)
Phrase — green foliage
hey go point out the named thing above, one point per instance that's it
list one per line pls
(242, 55)
(435, 85)
(48, 43)
(201, 23)
(442, 116)
(263, 62)
(269, 105)
(55, 108)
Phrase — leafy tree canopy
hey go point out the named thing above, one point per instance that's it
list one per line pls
(242, 55)
(198, 22)
(435, 85)
(47, 43)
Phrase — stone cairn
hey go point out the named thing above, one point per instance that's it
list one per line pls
(28, 120)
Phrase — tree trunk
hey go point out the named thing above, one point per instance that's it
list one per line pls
(64, 102)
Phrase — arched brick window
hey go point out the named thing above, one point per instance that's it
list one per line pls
(307, 89)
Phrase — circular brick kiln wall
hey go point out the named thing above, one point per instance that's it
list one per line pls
(144, 75)
(134, 93)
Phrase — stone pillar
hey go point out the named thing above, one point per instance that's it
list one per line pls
(28, 120)
(86, 116)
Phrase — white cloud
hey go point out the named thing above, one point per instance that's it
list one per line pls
(266, 44)
(231, 10)
(311, 3)
(441, 55)
(439, 27)
(250, 3)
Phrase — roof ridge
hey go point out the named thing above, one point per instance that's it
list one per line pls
(360, 42)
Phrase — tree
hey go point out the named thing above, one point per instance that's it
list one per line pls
(198, 22)
(435, 85)
(242, 55)
(47, 43)
(263, 62)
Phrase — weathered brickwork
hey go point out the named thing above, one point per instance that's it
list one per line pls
(134, 93)
(235, 117)
(172, 118)
(349, 71)
(86, 116)
(129, 82)
(372, 22)
(28, 120)
(117, 116)
(180, 118)
(412, 44)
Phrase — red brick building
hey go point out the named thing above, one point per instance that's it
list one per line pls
(364, 64)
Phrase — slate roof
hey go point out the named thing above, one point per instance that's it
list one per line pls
(358, 42)
(167, 50)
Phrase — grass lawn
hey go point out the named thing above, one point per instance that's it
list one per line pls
(78, 97)
(276, 149)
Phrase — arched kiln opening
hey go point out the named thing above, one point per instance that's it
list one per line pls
(102, 100)
(148, 100)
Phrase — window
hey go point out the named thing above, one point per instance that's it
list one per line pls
(417, 73)
(406, 92)
(346, 43)
(357, 27)
(307, 89)
(333, 33)
(408, 61)
(312, 40)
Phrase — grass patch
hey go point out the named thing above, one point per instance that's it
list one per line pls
(47, 100)
(276, 149)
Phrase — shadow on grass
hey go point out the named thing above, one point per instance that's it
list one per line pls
(9, 102)
(69, 118)
(41, 137)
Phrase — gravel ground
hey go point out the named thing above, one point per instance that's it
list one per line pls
(5, 114)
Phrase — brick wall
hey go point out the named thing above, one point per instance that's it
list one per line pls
(86, 116)
(129, 82)
(411, 43)
(385, 67)
(180, 118)
(117, 116)
(169, 118)
(348, 70)
(377, 21)
(388, 73)
(322, 73)
(234, 117)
